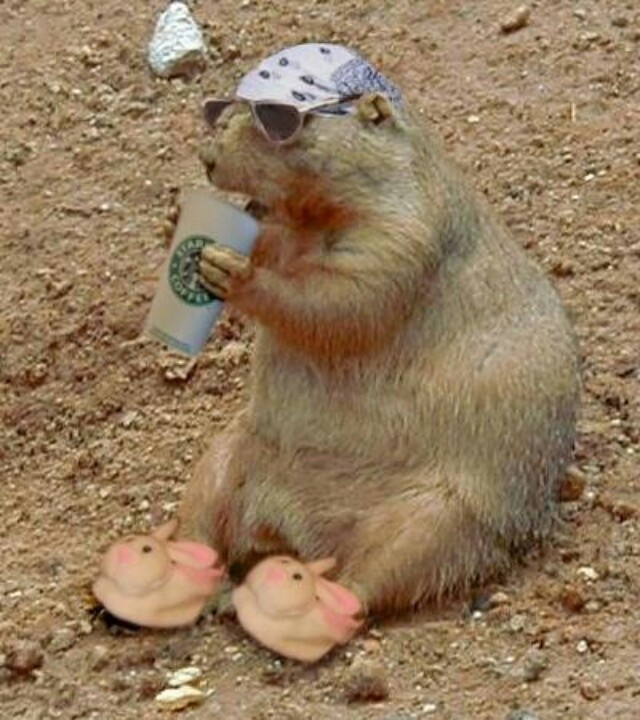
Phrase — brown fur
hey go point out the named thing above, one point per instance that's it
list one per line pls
(415, 380)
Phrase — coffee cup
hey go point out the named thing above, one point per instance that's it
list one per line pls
(183, 312)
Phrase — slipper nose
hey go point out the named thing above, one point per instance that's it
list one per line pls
(275, 576)
(123, 555)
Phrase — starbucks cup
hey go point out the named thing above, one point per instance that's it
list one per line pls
(183, 311)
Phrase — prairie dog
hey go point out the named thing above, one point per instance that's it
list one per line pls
(414, 382)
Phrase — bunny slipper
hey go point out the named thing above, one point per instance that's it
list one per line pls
(153, 581)
(290, 608)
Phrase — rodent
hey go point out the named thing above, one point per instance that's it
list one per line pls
(415, 380)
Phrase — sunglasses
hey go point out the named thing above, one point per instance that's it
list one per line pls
(278, 122)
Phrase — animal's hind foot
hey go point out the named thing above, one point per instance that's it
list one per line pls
(290, 608)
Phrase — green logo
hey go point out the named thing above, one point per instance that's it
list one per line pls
(183, 271)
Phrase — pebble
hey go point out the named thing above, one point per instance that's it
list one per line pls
(516, 20)
(177, 46)
(23, 657)
(589, 690)
(429, 708)
(521, 715)
(498, 599)
(184, 676)
(582, 647)
(588, 573)
(366, 681)
(180, 697)
(574, 482)
(593, 606)
(620, 21)
(572, 599)
(99, 657)
(535, 663)
(371, 645)
(62, 640)
(517, 623)
(233, 354)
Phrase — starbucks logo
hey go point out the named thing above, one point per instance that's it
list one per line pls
(183, 271)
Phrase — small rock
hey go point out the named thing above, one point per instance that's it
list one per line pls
(128, 419)
(521, 715)
(99, 658)
(562, 268)
(180, 697)
(23, 657)
(473, 119)
(582, 647)
(588, 573)
(572, 599)
(366, 682)
(620, 21)
(498, 599)
(535, 663)
(589, 690)
(177, 46)
(177, 369)
(62, 640)
(371, 645)
(429, 709)
(233, 354)
(574, 481)
(623, 511)
(517, 623)
(580, 13)
(517, 20)
(593, 606)
(183, 676)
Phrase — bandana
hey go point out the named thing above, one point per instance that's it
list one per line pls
(303, 75)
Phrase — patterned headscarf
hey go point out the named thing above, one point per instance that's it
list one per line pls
(303, 75)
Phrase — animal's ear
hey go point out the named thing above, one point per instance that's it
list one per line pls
(320, 567)
(164, 532)
(375, 108)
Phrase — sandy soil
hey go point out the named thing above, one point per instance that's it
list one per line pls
(100, 430)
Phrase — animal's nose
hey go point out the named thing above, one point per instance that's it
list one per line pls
(209, 157)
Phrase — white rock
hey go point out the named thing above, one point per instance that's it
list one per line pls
(177, 46)
(588, 573)
(183, 676)
(179, 698)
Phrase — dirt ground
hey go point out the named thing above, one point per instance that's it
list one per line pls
(101, 429)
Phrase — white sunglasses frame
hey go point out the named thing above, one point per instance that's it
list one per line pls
(302, 112)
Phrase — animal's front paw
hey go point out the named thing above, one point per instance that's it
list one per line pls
(220, 266)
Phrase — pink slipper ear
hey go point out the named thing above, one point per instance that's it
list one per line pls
(320, 567)
(338, 606)
(336, 598)
(202, 577)
(165, 531)
(195, 555)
